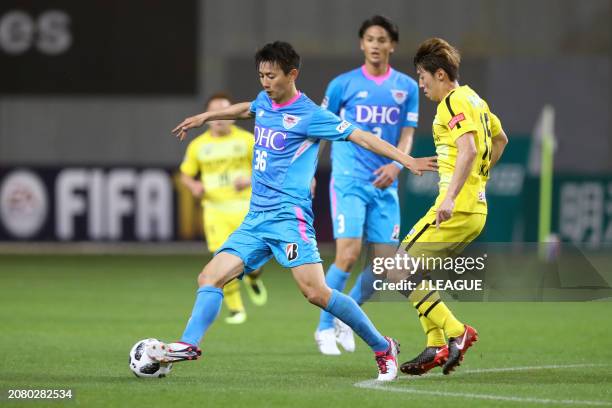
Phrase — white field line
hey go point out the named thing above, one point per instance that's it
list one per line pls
(377, 385)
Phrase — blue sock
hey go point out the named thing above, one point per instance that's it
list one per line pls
(205, 311)
(363, 288)
(345, 309)
(336, 279)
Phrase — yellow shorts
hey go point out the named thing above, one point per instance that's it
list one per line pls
(218, 225)
(450, 239)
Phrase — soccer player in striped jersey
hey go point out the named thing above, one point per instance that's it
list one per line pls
(288, 130)
(469, 140)
(363, 187)
(221, 157)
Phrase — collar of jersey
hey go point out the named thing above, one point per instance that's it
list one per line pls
(285, 104)
(377, 79)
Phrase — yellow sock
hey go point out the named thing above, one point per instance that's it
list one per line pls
(429, 304)
(231, 295)
(435, 335)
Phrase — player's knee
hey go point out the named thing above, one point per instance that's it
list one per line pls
(206, 278)
(346, 259)
(315, 296)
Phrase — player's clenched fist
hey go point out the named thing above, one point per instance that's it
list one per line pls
(444, 211)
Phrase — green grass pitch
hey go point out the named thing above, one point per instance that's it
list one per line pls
(69, 322)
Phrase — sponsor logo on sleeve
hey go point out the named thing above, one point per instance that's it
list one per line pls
(456, 119)
(399, 96)
(412, 117)
(343, 126)
(290, 121)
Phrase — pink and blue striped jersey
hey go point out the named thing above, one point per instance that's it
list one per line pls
(380, 105)
(287, 140)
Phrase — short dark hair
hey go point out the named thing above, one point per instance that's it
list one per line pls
(280, 53)
(436, 53)
(218, 95)
(382, 21)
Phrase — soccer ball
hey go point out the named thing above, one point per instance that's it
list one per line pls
(141, 363)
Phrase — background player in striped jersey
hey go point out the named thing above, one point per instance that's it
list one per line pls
(288, 129)
(221, 157)
(363, 188)
(469, 140)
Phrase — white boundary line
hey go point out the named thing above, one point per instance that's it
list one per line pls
(377, 385)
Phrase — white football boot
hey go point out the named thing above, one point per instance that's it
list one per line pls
(344, 335)
(326, 340)
(387, 361)
(178, 351)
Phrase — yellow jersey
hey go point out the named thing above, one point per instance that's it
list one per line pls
(220, 160)
(460, 112)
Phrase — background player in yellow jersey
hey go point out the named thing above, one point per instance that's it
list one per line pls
(222, 156)
(469, 140)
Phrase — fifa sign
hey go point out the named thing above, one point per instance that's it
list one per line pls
(383, 115)
(106, 199)
(88, 204)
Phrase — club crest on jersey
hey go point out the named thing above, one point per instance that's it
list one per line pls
(290, 121)
(399, 96)
(291, 251)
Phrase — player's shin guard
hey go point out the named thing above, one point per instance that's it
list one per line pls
(232, 297)
(435, 335)
(429, 304)
(336, 279)
(205, 311)
(345, 309)
(363, 289)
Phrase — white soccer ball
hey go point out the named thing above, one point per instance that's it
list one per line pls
(141, 362)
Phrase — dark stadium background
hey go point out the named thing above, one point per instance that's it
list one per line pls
(99, 84)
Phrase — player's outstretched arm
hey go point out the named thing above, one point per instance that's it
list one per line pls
(369, 141)
(236, 111)
(499, 141)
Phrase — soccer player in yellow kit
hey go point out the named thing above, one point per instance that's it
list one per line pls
(469, 140)
(222, 156)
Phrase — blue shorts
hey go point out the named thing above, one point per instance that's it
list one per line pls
(286, 233)
(358, 207)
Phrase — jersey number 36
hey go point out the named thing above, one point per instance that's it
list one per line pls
(260, 160)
